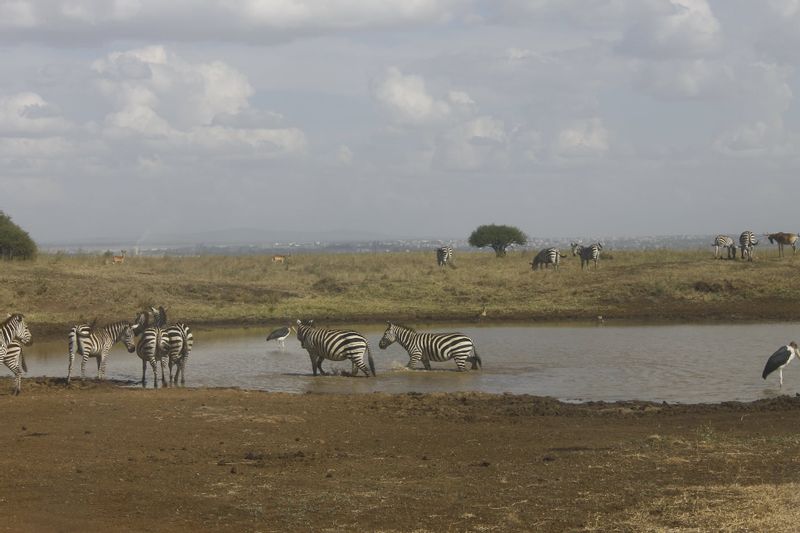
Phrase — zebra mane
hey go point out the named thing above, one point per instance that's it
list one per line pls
(11, 318)
(409, 328)
(120, 325)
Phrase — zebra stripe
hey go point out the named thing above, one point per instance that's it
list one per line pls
(587, 253)
(15, 361)
(90, 342)
(723, 241)
(444, 255)
(153, 347)
(427, 347)
(747, 241)
(548, 256)
(180, 341)
(13, 333)
(335, 345)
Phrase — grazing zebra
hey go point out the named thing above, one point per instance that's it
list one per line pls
(336, 345)
(15, 361)
(180, 340)
(427, 347)
(548, 256)
(783, 239)
(723, 241)
(92, 342)
(587, 253)
(153, 346)
(444, 256)
(747, 241)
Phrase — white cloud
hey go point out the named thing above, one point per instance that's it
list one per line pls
(407, 99)
(344, 155)
(27, 113)
(475, 144)
(583, 138)
(685, 79)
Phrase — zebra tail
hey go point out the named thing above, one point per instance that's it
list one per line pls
(477, 357)
(22, 360)
(370, 361)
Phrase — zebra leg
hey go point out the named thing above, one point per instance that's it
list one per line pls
(163, 373)
(414, 359)
(313, 364)
(101, 366)
(155, 372)
(358, 364)
(461, 363)
(83, 366)
(69, 368)
(182, 370)
(169, 364)
(319, 367)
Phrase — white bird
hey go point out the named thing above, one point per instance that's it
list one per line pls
(280, 334)
(780, 359)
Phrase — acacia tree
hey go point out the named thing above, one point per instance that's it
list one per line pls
(14, 241)
(498, 237)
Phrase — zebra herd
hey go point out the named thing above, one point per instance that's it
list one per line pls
(340, 345)
(748, 242)
(548, 256)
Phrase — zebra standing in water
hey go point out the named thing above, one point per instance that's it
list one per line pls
(427, 347)
(336, 345)
(723, 241)
(153, 347)
(87, 342)
(13, 333)
(747, 241)
(444, 256)
(548, 256)
(587, 253)
(180, 341)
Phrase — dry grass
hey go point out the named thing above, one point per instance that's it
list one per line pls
(57, 290)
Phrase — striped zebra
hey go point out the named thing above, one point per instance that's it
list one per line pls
(335, 345)
(723, 241)
(87, 341)
(587, 253)
(747, 241)
(427, 347)
(548, 256)
(444, 256)
(180, 341)
(15, 361)
(153, 347)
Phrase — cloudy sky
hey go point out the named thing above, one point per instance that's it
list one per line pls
(399, 117)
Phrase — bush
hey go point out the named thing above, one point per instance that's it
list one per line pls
(14, 241)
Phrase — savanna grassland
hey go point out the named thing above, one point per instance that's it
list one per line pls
(55, 291)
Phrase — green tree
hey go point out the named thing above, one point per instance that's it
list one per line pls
(14, 241)
(498, 237)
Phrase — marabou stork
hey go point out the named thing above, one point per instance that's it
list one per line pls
(780, 359)
(280, 334)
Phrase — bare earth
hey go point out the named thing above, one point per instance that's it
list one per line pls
(100, 457)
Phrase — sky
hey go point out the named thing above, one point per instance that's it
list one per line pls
(404, 118)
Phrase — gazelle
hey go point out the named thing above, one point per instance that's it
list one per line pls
(783, 238)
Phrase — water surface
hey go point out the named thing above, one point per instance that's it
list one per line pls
(683, 363)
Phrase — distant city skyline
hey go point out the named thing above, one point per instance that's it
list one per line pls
(427, 118)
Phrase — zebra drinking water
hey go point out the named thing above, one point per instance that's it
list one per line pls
(87, 342)
(153, 347)
(444, 256)
(335, 345)
(548, 256)
(723, 241)
(13, 333)
(747, 241)
(427, 347)
(587, 253)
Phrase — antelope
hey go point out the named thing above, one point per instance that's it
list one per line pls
(783, 238)
(279, 259)
(118, 259)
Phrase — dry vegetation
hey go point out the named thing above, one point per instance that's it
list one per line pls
(58, 290)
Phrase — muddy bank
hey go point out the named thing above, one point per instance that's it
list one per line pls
(95, 457)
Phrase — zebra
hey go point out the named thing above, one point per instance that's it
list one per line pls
(444, 256)
(336, 345)
(548, 256)
(747, 241)
(723, 241)
(782, 239)
(88, 341)
(15, 361)
(427, 347)
(153, 346)
(587, 253)
(180, 340)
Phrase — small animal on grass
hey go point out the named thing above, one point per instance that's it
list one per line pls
(444, 256)
(783, 239)
(88, 341)
(427, 347)
(590, 252)
(777, 361)
(153, 348)
(280, 334)
(723, 241)
(335, 345)
(548, 256)
(747, 242)
(279, 259)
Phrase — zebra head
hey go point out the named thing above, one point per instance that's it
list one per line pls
(159, 316)
(575, 247)
(21, 330)
(128, 337)
(302, 328)
(389, 336)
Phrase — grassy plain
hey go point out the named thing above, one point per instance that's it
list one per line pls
(56, 290)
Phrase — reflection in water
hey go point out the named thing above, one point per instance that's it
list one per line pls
(690, 363)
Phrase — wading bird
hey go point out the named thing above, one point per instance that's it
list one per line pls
(280, 334)
(780, 359)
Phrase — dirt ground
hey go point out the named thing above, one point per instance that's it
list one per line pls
(101, 457)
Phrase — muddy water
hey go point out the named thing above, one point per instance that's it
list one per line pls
(686, 363)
